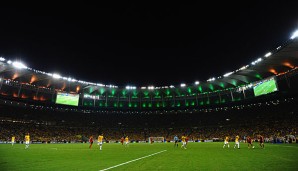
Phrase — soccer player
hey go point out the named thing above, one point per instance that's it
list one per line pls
(249, 142)
(183, 142)
(186, 140)
(99, 141)
(237, 142)
(126, 141)
(27, 140)
(176, 139)
(261, 141)
(90, 141)
(122, 140)
(226, 142)
(151, 140)
(13, 138)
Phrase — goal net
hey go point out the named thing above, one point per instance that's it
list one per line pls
(156, 139)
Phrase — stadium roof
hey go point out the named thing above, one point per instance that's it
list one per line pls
(283, 59)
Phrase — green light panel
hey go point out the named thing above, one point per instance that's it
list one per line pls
(157, 94)
(211, 87)
(258, 76)
(222, 85)
(102, 90)
(223, 100)
(200, 89)
(168, 92)
(146, 94)
(90, 90)
(113, 91)
(189, 90)
(120, 104)
(124, 93)
(193, 103)
(135, 94)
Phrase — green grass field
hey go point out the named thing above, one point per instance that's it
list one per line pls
(141, 156)
(265, 88)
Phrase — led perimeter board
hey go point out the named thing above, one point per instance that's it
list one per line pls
(265, 86)
(67, 99)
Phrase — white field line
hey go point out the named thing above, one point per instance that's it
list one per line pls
(132, 160)
(290, 146)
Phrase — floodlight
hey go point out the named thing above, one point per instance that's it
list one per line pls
(294, 35)
(268, 54)
(19, 65)
(56, 76)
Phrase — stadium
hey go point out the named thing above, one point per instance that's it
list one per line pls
(61, 113)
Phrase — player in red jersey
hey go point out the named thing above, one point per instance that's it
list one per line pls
(186, 140)
(90, 141)
(122, 140)
(249, 142)
(261, 141)
(151, 140)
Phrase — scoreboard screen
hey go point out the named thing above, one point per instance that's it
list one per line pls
(265, 87)
(67, 99)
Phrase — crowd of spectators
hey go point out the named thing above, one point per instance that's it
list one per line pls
(274, 119)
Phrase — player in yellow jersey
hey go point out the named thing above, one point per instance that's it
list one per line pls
(99, 141)
(13, 138)
(237, 142)
(226, 142)
(126, 141)
(183, 142)
(27, 140)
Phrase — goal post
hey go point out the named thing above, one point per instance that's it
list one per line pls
(156, 139)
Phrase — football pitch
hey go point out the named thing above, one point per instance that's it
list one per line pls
(144, 156)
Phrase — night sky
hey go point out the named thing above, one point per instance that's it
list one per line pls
(144, 44)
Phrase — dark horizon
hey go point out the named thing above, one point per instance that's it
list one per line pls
(142, 45)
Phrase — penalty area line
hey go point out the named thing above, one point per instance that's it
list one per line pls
(132, 161)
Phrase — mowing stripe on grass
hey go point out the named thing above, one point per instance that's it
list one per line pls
(132, 160)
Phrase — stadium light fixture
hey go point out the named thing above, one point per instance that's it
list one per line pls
(99, 84)
(244, 67)
(151, 87)
(294, 35)
(197, 82)
(211, 79)
(182, 85)
(130, 87)
(57, 76)
(19, 65)
(9, 61)
(268, 54)
(228, 74)
(2, 59)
